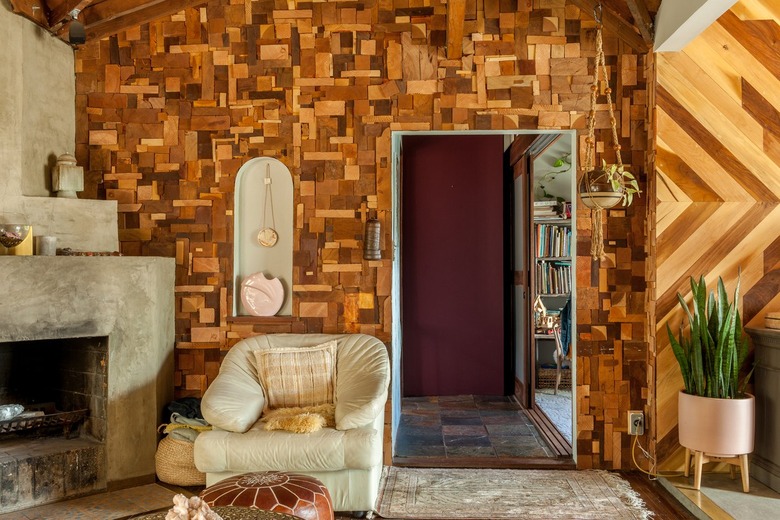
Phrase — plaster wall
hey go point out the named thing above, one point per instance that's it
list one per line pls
(39, 123)
(49, 111)
(11, 86)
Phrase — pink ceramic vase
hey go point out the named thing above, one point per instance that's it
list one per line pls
(717, 427)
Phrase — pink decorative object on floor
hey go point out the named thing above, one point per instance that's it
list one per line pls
(190, 509)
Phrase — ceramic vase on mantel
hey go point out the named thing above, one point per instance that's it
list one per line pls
(596, 191)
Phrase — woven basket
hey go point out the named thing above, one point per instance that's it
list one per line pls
(545, 378)
(175, 463)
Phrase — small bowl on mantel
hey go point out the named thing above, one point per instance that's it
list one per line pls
(11, 235)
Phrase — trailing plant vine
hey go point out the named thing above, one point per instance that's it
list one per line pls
(549, 176)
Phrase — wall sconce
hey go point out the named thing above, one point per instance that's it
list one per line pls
(371, 246)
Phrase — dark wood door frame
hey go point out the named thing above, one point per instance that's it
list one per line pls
(520, 167)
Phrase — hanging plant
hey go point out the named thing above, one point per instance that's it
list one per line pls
(605, 187)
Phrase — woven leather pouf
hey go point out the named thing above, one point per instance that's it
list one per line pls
(291, 493)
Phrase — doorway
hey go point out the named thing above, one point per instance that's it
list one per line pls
(462, 330)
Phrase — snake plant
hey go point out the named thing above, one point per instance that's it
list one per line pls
(714, 348)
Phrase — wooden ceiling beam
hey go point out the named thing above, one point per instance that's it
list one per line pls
(105, 9)
(642, 20)
(34, 10)
(119, 15)
(615, 24)
(456, 20)
(60, 12)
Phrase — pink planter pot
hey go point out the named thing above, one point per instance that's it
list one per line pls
(719, 427)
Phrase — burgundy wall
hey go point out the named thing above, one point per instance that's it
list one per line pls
(453, 265)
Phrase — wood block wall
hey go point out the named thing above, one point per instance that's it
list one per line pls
(718, 171)
(170, 110)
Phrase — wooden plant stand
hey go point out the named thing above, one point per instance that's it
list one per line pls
(700, 458)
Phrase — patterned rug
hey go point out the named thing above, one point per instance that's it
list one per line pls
(506, 493)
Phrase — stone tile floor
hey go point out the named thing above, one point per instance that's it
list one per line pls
(467, 426)
(113, 505)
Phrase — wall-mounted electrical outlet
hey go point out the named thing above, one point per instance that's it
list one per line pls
(636, 422)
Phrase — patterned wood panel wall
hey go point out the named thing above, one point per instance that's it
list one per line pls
(169, 111)
(718, 172)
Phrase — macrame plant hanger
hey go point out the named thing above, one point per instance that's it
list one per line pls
(597, 212)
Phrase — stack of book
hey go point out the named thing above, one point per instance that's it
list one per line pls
(553, 240)
(553, 277)
(545, 209)
(552, 209)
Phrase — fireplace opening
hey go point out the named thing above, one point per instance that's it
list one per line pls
(62, 385)
(61, 453)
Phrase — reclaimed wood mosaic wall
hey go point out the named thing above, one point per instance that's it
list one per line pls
(718, 171)
(170, 110)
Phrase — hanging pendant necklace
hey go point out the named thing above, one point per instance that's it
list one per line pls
(267, 236)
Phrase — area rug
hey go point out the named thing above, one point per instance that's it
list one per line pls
(557, 408)
(506, 493)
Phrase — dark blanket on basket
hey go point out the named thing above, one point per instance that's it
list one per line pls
(187, 406)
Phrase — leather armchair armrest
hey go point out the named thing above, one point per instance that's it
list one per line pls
(235, 400)
(362, 380)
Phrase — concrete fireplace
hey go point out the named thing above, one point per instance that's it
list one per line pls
(122, 309)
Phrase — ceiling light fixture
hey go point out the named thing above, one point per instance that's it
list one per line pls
(76, 32)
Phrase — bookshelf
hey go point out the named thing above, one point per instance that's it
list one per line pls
(552, 264)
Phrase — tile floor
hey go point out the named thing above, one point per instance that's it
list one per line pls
(467, 426)
(114, 505)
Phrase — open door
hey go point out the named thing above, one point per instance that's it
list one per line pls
(520, 165)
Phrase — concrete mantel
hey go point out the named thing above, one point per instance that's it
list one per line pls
(130, 300)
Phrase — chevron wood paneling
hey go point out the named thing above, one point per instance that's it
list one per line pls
(718, 180)
(168, 112)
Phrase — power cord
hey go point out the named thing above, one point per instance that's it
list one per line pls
(653, 476)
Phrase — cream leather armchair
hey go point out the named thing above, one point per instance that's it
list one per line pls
(347, 458)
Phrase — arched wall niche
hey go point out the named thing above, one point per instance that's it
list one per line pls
(249, 256)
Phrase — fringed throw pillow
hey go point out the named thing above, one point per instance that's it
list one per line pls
(296, 377)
